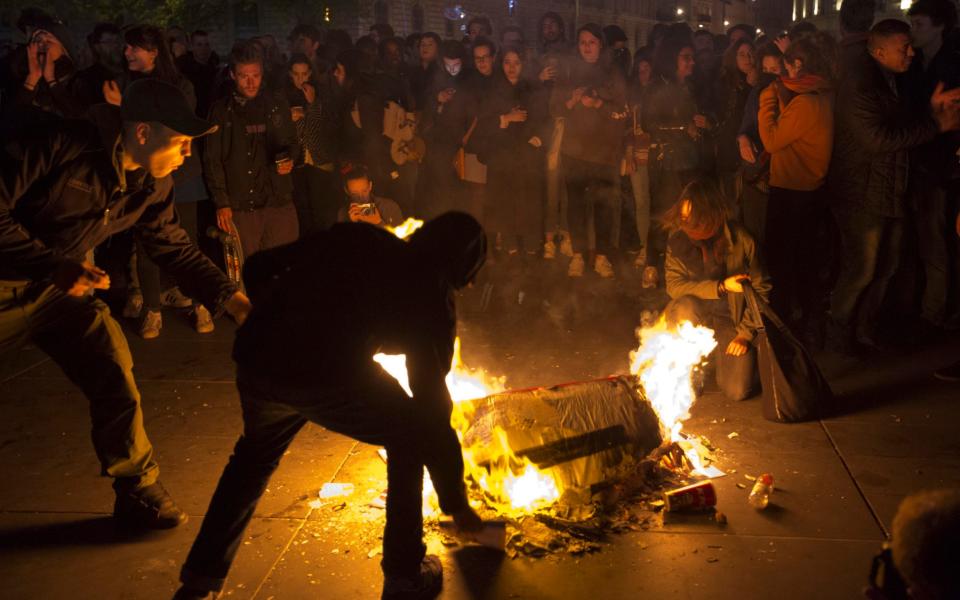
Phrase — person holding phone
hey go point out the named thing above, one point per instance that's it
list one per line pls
(363, 206)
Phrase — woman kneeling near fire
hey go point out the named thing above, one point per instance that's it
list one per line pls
(708, 258)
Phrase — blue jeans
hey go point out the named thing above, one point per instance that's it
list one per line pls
(376, 411)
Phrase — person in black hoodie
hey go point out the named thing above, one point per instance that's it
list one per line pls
(513, 125)
(444, 125)
(364, 291)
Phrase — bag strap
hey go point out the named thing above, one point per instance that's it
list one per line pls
(760, 306)
(466, 137)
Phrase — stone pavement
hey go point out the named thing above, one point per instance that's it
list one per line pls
(838, 481)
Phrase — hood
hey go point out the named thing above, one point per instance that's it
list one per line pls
(454, 245)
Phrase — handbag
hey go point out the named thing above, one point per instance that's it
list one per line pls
(468, 166)
(794, 389)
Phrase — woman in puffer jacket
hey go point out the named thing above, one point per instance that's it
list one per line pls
(796, 127)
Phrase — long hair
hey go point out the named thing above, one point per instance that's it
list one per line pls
(819, 54)
(730, 72)
(666, 54)
(152, 38)
(708, 213)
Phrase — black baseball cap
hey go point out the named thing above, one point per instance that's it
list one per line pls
(154, 100)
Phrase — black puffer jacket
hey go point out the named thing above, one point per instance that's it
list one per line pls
(875, 130)
(63, 191)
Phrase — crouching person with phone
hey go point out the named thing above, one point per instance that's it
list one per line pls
(248, 161)
(362, 205)
(708, 260)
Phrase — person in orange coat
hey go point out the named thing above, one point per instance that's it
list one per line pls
(796, 127)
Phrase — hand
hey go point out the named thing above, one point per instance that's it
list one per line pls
(296, 113)
(734, 283)
(111, 92)
(446, 95)
(535, 141)
(34, 62)
(782, 42)
(516, 115)
(591, 101)
(701, 122)
(238, 307)
(738, 347)
(285, 166)
(693, 131)
(225, 219)
(747, 151)
(946, 107)
(548, 73)
(309, 92)
(577, 94)
(467, 520)
(76, 279)
(54, 50)
(357, 213)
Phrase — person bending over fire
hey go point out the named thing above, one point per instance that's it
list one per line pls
(708, 259)
(322, 307)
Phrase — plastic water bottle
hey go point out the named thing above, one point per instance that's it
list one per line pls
(760, 494)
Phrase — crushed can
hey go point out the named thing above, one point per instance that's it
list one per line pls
(698, 496)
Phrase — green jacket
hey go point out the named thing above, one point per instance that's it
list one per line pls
(742, 257)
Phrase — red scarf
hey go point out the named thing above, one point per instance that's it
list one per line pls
(789, 87)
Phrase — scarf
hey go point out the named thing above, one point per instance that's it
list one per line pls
(789, 87)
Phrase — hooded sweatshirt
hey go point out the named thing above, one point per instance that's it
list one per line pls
(796, 127)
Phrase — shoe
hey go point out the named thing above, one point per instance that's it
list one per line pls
(949, 373)
(427, 584)
(185, 593)
(603, 267)
(148, 508)
(174, 298)
(202, 321)
(131, 310)
(566, 244)
(549, 250)
(576, 266)
(650, 278)
(150, 327)
(640, 262)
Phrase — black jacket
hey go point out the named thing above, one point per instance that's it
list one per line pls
(239, 159)
(501, 144)
(63, 191)
(875, 129)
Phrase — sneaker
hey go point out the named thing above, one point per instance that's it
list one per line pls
(133, 306)
(640, 261)
(651, 277)
(603, 267)
(202, 321)
(427, 584)
(148, 508)
(150, 327)
(576, 266)
(566, 244)
(175, 299)
(549, 250)
(950, 373)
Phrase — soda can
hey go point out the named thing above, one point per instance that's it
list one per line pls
(698, 496)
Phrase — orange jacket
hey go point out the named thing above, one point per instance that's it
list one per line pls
(796, 127)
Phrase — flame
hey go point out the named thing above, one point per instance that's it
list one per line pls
(406, 229)
(664, 363)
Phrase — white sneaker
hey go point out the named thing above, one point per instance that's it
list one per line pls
(150, 327)
(549, 250)
(603, 267)
(576, 266)
(641, 260)
(651, 277)
(202, 321)
(175, 298)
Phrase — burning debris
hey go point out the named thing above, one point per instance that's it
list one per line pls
(565, 466)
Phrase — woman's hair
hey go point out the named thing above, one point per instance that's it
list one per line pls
(730, 71)
(299, 58)
(152, 38)
(665, 56)
(768, 49)
(818, 52)
(350, 60)
(641, 55)
(708, 211)
(503, 54)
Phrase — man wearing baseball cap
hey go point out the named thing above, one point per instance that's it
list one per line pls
(64, 189)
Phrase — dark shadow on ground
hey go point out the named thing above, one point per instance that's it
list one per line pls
(479, 567)
(97, 531)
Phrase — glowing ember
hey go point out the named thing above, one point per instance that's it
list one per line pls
(406, 229)
(664, 363)
(530, 489)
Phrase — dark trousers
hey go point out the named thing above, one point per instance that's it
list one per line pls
(266, 227)
(591, 189)
(317, 197)
(438, 188)
(753, 208)
(935, 217)
(514, 199)
(793, 251)
(152, 281)
(87, 343)
(871, 247)
(737, 376)
(376, 412)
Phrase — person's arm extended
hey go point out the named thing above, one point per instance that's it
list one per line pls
(25, 162)
(680, 281)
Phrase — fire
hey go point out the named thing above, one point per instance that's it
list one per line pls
(406, 229)
(664, 363)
